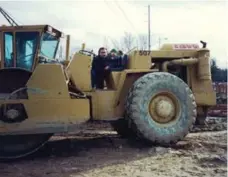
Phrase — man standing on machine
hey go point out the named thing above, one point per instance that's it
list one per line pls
(100, 68)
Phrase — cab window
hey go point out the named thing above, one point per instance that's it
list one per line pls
(26, 46)
(49, 45)
(8, 52)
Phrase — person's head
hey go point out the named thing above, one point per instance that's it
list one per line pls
(102, 52)
(113, 52)
(120, 52)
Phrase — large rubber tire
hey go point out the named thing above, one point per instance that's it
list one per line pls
(14, 147)
(17, 146)
(137, 108)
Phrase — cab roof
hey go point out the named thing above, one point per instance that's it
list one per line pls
(44, 27)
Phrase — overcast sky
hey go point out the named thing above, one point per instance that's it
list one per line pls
(91, 21)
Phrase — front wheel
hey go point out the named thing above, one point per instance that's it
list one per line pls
(162, 107)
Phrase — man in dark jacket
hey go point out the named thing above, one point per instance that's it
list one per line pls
(100, 68)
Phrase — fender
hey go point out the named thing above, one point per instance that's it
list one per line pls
(12, 79)
(127, 78)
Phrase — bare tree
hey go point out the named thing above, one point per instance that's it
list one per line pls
(106, 43)
(142, 42)
(128, 41)
(117, 44)
(125, 43)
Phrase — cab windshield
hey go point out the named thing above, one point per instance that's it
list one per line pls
(49, 45)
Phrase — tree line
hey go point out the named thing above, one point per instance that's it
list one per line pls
(218, 74)
(127, 42)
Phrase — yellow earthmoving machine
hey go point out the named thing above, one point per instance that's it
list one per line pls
(156, 97)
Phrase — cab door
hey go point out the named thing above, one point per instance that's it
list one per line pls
(26, 43)
(19, 49)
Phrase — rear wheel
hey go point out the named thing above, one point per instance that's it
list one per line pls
(162, 108)
(16, 146)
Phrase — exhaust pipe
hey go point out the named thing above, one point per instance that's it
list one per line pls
(67, 47)
(202, 61)
(182, 61)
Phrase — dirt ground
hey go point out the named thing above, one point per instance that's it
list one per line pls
(200, 154)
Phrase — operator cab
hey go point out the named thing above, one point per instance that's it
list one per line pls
(26, 46)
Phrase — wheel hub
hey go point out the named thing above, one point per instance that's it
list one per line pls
(12, 113)
(163, 108)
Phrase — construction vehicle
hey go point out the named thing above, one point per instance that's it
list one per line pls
(156, 97)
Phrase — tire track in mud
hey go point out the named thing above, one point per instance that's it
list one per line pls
(100, 153)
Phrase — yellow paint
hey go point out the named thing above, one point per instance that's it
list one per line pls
(204, 69)
(49, 100)
(102, 102)
(51, 79)
(51, 112)
(202, 89)
(138, 62)
(79, 70)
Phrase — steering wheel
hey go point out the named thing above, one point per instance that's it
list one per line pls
(88, 52)
(42, 59)
(24, 58)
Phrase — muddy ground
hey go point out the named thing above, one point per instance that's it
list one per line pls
(106, 155)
